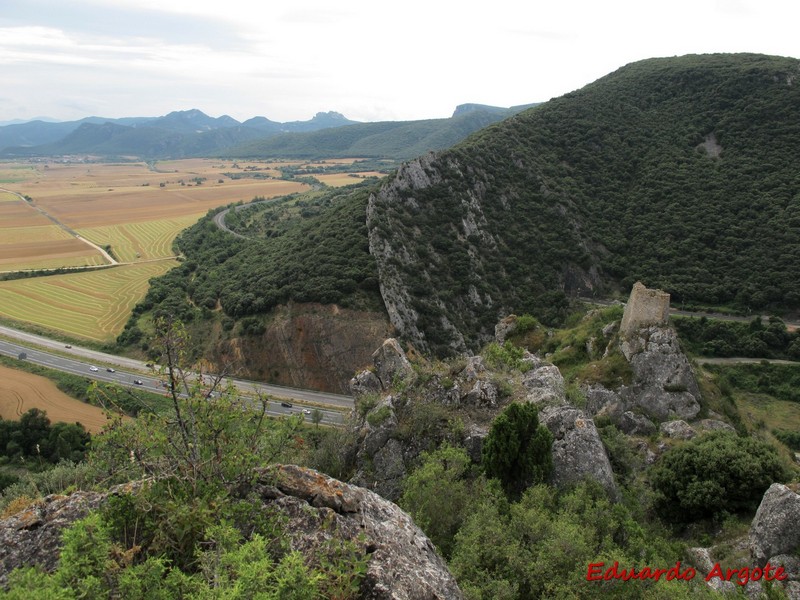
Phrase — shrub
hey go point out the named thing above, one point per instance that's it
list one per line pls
(507, 356)
(517, 449)
(715, 475)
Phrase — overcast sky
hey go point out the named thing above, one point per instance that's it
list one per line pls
(371, 60)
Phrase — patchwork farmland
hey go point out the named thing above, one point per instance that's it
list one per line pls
(135, 210)
(90, 305)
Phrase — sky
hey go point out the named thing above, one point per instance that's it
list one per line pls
(370, 60)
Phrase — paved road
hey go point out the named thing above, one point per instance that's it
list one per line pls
(219, 218)
(738, 360)
(790, 325)
(75, 359)
(150, 383)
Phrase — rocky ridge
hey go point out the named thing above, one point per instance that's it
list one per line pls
(403, 563)
(384, 456)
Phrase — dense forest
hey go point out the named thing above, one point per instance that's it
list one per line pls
(679, 172)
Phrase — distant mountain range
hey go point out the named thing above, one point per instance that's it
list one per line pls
(192, 133)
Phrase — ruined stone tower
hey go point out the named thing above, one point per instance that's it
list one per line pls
(645, 307)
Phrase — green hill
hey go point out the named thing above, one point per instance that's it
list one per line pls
(679, 172)
(393, 139)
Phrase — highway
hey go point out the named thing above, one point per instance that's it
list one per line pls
(126, 372)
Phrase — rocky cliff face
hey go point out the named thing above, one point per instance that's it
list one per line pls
(403, 563)
(394, 255)
(450, 265)
(663, 387)
(308, 345)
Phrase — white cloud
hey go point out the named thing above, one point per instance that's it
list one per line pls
(369, 60)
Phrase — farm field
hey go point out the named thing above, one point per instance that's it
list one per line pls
(124, 205)
(142, 240)
(20, 391)
(92, 305)
(133, 209)
(340, 179)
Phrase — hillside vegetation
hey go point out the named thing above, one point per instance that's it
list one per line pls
(299, 249)
(679, 172)
(191, 133)
(394, 139)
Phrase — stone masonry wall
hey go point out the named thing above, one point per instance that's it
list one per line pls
(644, 308)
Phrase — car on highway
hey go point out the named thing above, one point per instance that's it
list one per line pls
(93, 369)
(110, 370)
(138, 382)
(306, 411)
(67, 346)
(286, 404)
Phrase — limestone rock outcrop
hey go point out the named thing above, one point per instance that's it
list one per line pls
(578, 451)
(544, 384)
(663, 385)
(391, 363)
(33, 535)
(403, 563)
(380, 463)
(776, 527)
(678, 429)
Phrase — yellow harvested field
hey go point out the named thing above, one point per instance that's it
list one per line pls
(136, 208)
(340, 179)
(142, 240)
(92, 305)
(38, 233)
(29, 240)
(69, 252)
(21, 391)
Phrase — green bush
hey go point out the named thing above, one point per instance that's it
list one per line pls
(507, 356)
(714, 475)
(517, 449)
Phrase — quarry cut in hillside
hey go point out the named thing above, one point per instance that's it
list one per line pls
(311, 346)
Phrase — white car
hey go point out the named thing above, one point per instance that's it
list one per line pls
(306, 411)
(93, 368)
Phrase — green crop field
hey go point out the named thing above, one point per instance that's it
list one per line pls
(94, 305)
(144, 240)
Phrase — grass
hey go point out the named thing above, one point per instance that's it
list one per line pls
(88, 305)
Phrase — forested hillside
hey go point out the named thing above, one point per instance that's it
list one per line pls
(679, 172)
(310, 252)
(394, 139)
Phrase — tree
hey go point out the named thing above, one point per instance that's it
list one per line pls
(201, 455)
(713, 475)
(439, 495)
(517, 449)
(211, 437)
